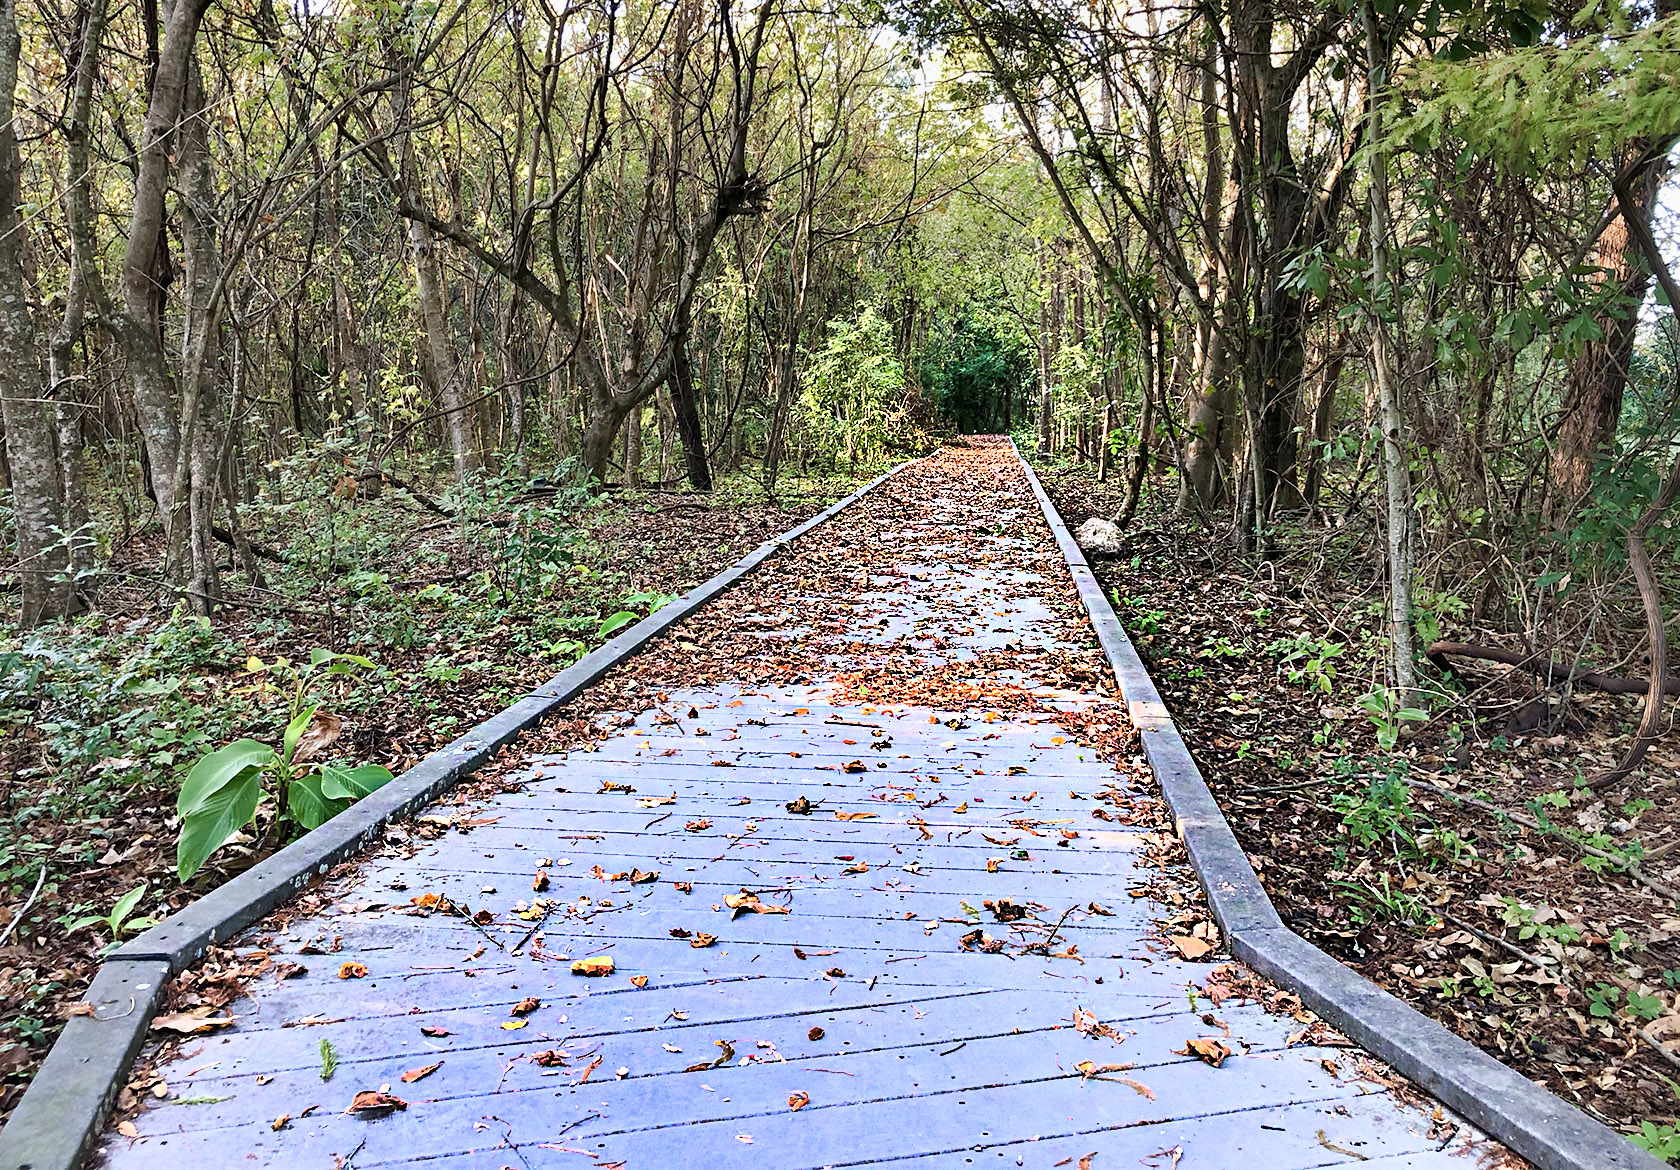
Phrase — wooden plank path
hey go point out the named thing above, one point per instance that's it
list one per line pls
(897, 733)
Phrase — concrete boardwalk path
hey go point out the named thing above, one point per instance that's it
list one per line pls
(896, 732)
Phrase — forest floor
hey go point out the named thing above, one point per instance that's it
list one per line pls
(459, 614)
(1514, 921)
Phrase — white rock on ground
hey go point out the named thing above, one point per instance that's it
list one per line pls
(1099, 535)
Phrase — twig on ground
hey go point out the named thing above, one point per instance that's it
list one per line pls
(28, 902)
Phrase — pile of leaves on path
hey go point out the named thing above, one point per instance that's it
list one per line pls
(1454, 862)
(460, 616)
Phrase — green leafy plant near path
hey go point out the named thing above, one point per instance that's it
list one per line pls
(222, 791)
(118, 921)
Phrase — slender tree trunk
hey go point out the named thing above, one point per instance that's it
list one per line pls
(437, 357)
(1396, 447)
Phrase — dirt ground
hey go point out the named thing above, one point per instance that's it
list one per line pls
(1457, 869)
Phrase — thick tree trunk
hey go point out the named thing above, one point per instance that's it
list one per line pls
(1592, 403)
(31, 454)
(139, 328)
(685, 406)
(195, 473)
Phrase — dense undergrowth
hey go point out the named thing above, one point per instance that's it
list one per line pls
(457, 615)
(1457, 860)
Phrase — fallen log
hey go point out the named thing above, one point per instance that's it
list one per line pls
(1551, 671)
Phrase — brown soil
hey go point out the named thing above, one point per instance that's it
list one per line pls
(1550, 959)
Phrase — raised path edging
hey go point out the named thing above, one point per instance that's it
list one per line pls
(1539, 1125)
(63, 1111)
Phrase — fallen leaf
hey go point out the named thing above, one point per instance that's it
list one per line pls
(800, 807)
(746, 903)
(323, 731)
(1206, 1049)
(638, 980)
(278, 1124)
(798, 1101)
(596, 966)
(684, 887)
(855, 816)
(437, 1030)
(192, 1021)
(420, 1074)
(835, 973)
(1189, 946)
(702, 940)
(540, 882)
(353, 970)
(698, 826)
(526, 1006)
(513, 1025)
(372, 1103)
(549, 1058)
(815, 1034)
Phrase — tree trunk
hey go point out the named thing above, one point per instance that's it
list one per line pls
(437, 358)
(685, 405)
(31, 455)
(1396, 448)
(1592, 403)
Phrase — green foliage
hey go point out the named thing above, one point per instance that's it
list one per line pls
(1661, 1140)
(1382, 707)
(222, 791)
(979, 370)
(854, 398)
(1555, 105)
(118, 922)
(1382, 810)
(1305, 660)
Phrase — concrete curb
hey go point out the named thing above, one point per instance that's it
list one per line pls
(1542, 1127)
(64, 1109)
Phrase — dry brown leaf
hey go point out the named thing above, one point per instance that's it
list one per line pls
(191, 1021)
(323, 731)
(526, 1006)
(372, 1103)
(799, 1100)
(638, 980)
(593, 967)
(702, 940)
(420, 1074)
(352, 970)
(1189, 946)
(1206, 1049)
